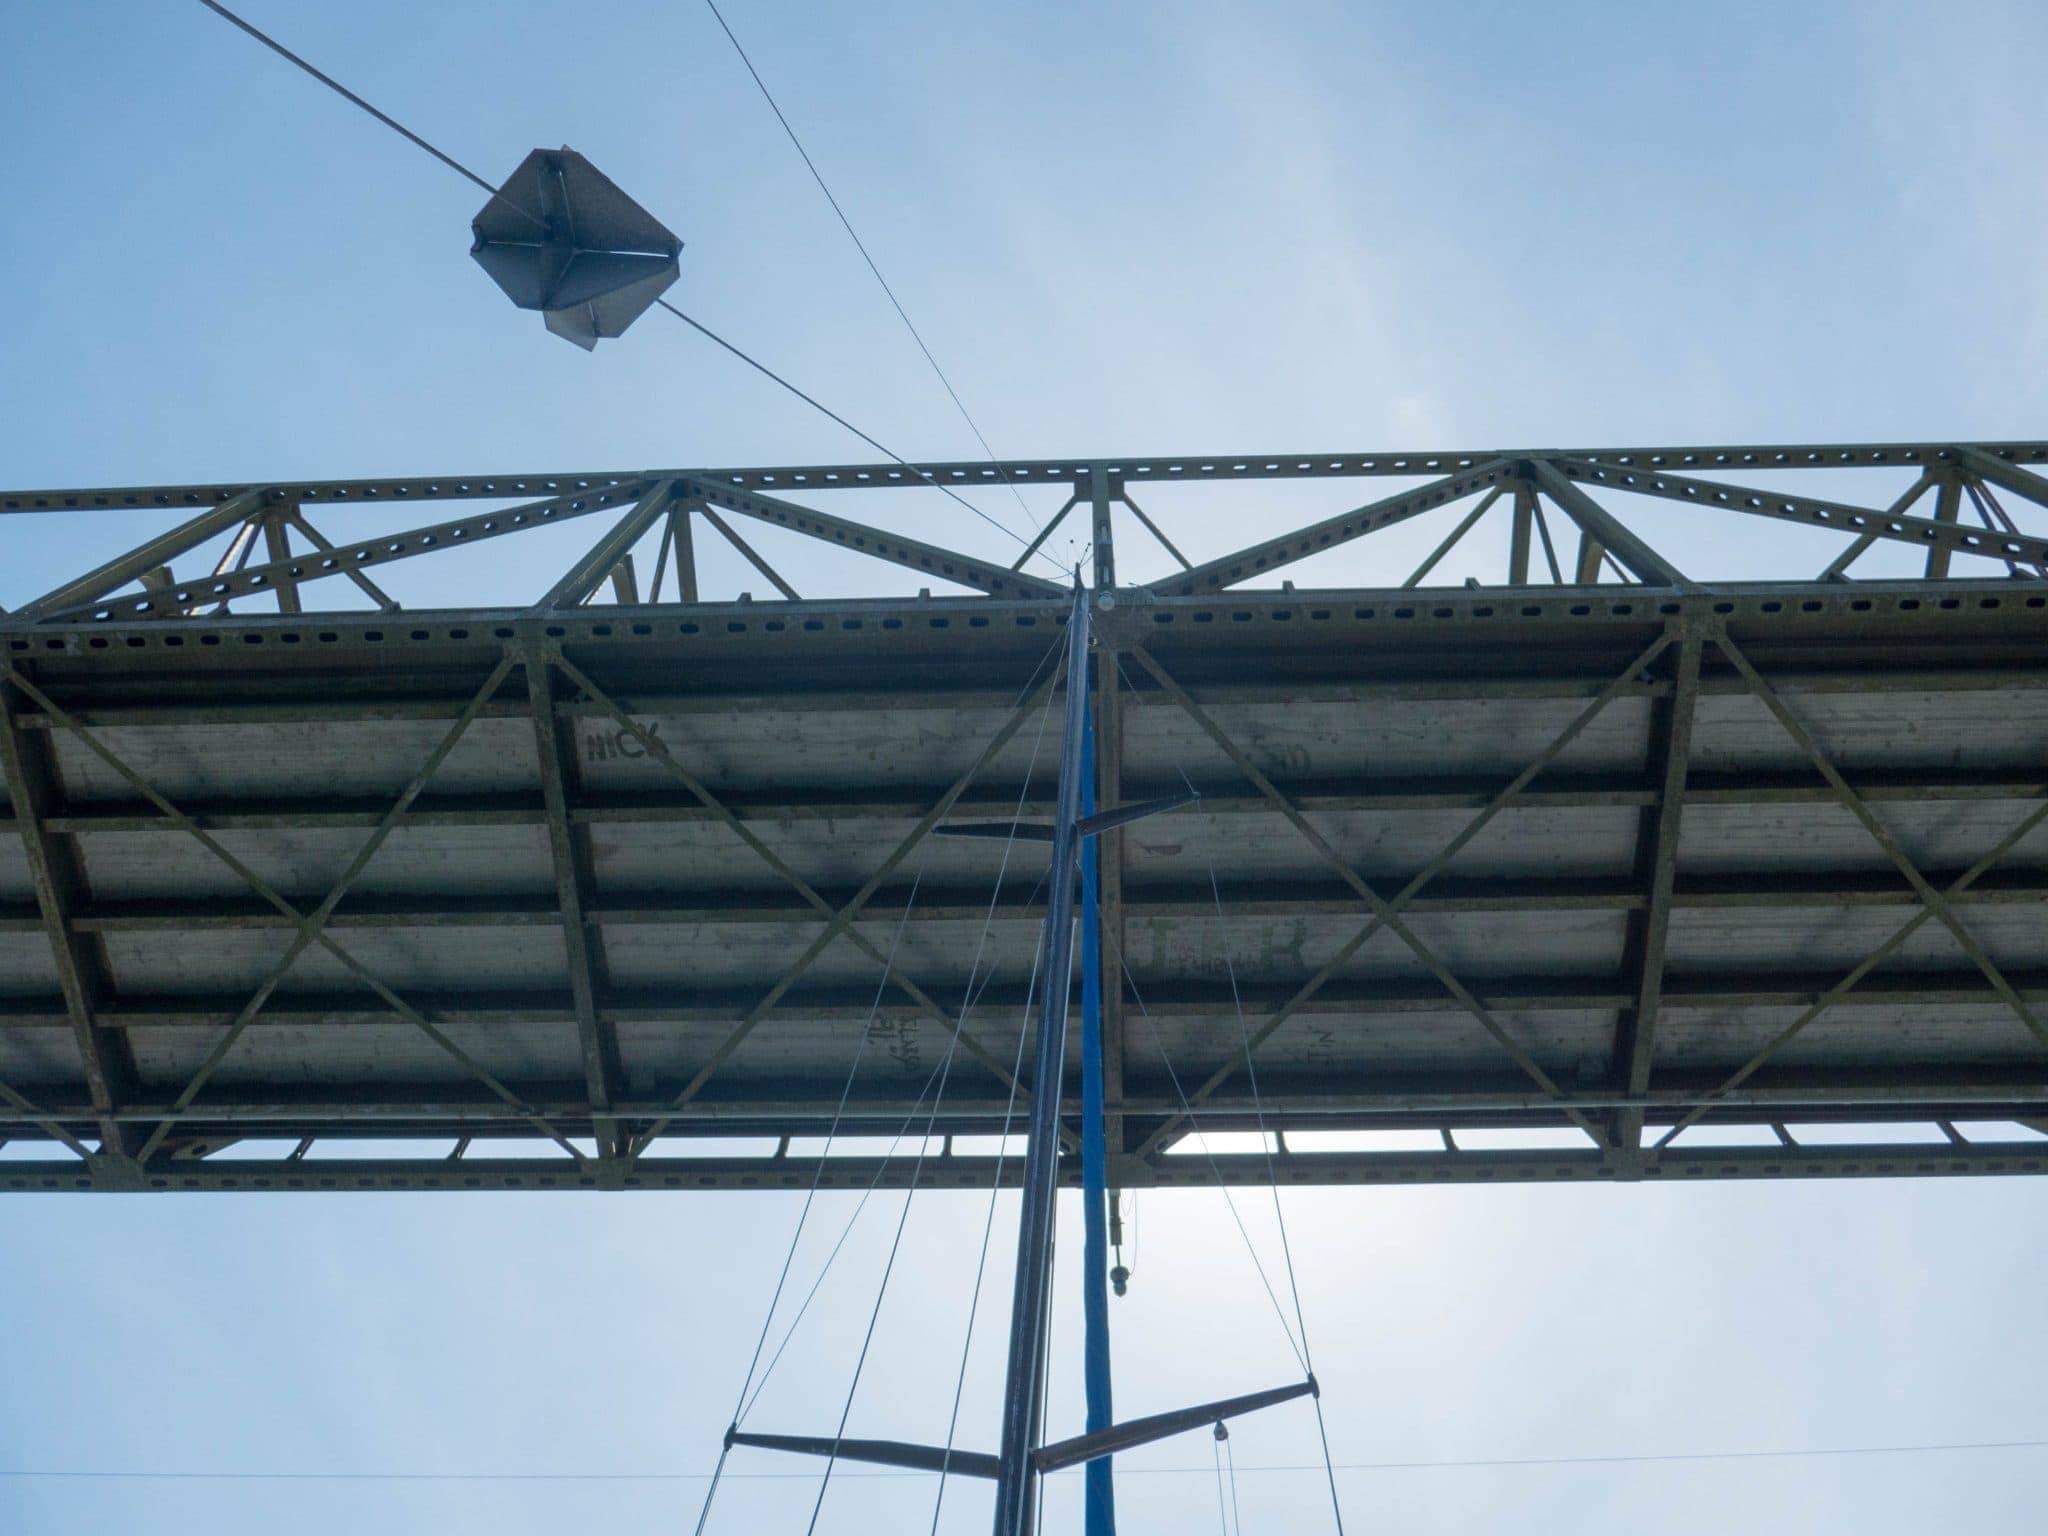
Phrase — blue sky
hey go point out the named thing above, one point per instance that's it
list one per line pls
(1128, 229)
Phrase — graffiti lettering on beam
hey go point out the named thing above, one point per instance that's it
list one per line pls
(901, 1039)
(602, 742)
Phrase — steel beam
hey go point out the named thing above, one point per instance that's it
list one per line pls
(1602, 529)
(948, 565)
(1187, 468)
(148, 556)
(1272, 554)
(1450, 540)
(1403, 1099)
(682, 539)
(105, 1056)
(838, 920)
(690, 906)
(1518, 539)
(1102, 533)
(597, 1040)
(312, 927)
(264, 889)
(1933, 898)
(1387, 913)
(747, 552)
(1841, 989)
(478, 1170)
(277, 545)
(1948, 501)
(1154, 529)
(582, 578)
(1837, 569)
(2004, 473)
(349, 565)
(1347, 1003)
(1390, 796)
(1657, 861)
(1045, 532)
(212, 693)
(284, 571)
(1938, 535)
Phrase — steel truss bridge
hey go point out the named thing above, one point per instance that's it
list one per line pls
(1586, 873)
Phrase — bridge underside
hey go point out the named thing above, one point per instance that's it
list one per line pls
(1523, 883)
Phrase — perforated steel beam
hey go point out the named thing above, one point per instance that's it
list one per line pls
(958, 474)
(479, 1171)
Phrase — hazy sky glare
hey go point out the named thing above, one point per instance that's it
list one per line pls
(1123, 229)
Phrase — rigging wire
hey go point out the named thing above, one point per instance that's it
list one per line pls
(874, 1183)
(861, 246)
(462, 170)
(1201, 1138)
(967, 1001)
(996, 1183)
(882, 1291)
(1010, 1101)
(987, 1228)
(1189, 1112)
(811, 1194)
(853, 1220)
(745, 1403)
(1038, 958)
(1272, 1175)
(1230, 1463)
(1052, 655)
(1301, 1350)
(1219, 1446)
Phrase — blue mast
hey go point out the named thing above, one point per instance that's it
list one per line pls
(1099, 1489)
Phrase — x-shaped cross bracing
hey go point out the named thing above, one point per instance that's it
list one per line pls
(1386, 912)
(312, 926)
(1935, 905)
(840, 920)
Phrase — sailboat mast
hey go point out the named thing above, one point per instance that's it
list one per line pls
(1024, 1381)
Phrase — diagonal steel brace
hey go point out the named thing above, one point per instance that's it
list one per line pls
(263, 888)
(839, 921)
(314, 923)
(1849, 983)
(1386, 913)
(1933, 899)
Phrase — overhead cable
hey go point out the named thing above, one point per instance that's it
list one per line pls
(464, 171)
(861, 246)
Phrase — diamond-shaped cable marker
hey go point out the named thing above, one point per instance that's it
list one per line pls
(560, 237)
